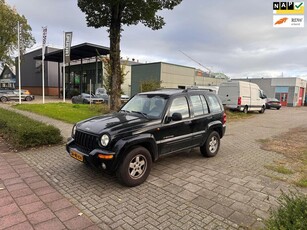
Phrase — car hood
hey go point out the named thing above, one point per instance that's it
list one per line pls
(110, 123)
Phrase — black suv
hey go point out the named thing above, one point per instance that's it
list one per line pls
(148, 126)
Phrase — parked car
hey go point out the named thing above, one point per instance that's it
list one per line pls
(242, 96)
(85, 98)
(272, 103)
(148, 126)
(102, 93)
(14, 95)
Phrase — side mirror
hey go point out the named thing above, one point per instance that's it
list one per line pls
(176, 117)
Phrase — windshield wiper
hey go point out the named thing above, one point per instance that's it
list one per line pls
(125, 111)
(138, 112)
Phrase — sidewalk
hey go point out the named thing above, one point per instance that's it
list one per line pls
(27, 201)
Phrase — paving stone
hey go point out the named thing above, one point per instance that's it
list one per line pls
(50, 224)
(33, 207)
(232, 184)
(242, 220)
(221, 210)
(203, 202)
(22, 226)
(40, 216)
(12, 219)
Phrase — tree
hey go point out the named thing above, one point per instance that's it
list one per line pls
(8, 33)
(150, 85)
(113, 14)
(107, 78)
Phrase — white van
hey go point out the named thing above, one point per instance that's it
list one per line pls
(242, 96)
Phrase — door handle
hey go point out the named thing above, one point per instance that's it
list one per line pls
(187, 122)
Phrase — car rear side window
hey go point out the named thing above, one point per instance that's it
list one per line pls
(199, 105)
(180, 105)
(214, 104)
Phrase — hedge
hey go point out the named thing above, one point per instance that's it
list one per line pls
(23, 132)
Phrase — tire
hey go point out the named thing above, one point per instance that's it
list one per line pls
(3, 99)
(262, 109)
(278, 108)
(245, 110)
(28, 99)
(135, 167)
(211, 146)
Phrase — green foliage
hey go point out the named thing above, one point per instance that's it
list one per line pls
(279, 168)
(23, 132)
(291, 215)
(70, 113)
(99, 13)
(302, 182)
(113, 14)
(150, 85)
(107, 81)
(8, 32)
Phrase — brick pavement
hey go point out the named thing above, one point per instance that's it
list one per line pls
(184, 190)
(27, 201)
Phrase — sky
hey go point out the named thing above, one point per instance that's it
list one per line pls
(235, 37)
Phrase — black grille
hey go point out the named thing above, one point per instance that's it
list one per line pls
(86, 141)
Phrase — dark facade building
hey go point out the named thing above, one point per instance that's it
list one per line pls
(31, 73)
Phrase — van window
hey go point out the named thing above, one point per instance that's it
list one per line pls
(199, 105)
(180, 105)
(214, 104)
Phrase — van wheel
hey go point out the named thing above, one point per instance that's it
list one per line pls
(262, 109)
(135, 167)
(211, 146)
(245, 110)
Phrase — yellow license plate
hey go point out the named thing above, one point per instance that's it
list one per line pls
(76, 155)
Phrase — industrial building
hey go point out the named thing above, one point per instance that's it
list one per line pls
(290, 91)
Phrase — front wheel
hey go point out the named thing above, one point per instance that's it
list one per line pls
(262, 109)
(28, 99)
(135, 167)
(3, 99)
(211, 146)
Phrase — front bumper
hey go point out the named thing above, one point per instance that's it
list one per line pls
(92, 157)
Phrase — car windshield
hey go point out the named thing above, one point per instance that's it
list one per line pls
(150, 106)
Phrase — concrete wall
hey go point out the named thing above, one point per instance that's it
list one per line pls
(173, 76)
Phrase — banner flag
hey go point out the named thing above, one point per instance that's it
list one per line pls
(67, 45)
(44, 41)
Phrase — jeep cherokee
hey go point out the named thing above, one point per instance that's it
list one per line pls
(149, 125)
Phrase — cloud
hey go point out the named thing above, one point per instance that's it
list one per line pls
(236, 37)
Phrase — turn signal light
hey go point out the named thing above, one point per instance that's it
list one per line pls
(105, 157)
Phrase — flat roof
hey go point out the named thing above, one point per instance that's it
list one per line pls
(77, 52)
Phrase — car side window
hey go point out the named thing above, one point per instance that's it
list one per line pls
(199, 105)
(180, 105)
(214, 104)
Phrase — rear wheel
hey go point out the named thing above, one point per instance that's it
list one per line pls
(211, 146)
(3, 99)
(245, 110)
(135, 167)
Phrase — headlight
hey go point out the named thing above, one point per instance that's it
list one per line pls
(73, 132)
(105, 139)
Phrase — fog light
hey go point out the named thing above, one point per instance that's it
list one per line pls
(105, 156)
(103, 165)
